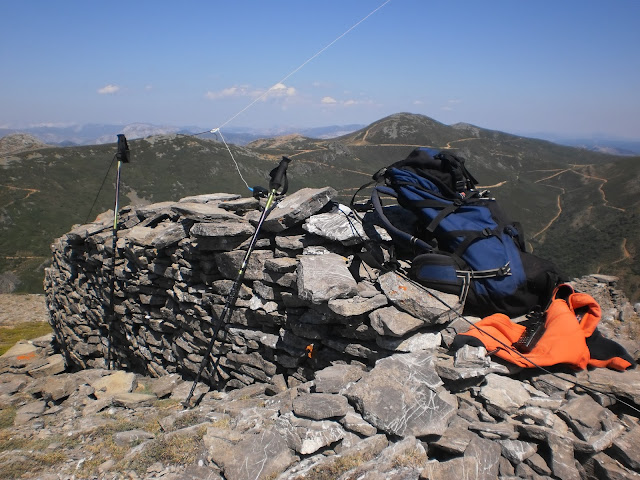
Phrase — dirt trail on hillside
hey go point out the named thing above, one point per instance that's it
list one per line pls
(30, 191)
(577, 169)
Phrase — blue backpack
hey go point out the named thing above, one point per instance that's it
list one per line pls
(462, 242)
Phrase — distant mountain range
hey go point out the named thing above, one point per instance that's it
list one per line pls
(579, 208)
(99, 134)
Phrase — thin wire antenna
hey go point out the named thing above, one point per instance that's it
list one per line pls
(281, 81)
(297, 69)
(217, 131)
(100, 190)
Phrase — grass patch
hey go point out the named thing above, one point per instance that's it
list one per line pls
(102, 447)
(32, 455)
(168, 450)
(7, 415)
(25, 331)
(101, 451)
(31, 462)
(187, 420)
(149, 424)
(335, 468)
(167, 404)
(412, 457)
(9, 441)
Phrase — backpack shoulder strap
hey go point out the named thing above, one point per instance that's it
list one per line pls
(390, 227)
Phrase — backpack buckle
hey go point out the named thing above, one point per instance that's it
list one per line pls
(461, 185)
(379, 173)
(505, 270)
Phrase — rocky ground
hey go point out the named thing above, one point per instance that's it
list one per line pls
(422, 415)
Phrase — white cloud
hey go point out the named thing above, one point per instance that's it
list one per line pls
(279, 90)
(108, 89)
(344, 103)
(235, 91)
(418, 102)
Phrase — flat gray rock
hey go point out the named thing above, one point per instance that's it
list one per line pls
(410, 343)
(221, 235)
(503, 393)
(393, 322)
(355, 306)
(222, 229)
(307, 436)
(336, 377)
(487, 456)
(322, 278)
(210, 198)
(131, 437)
(563, 463)
(337, 226)
(457, 468)
(354, 422)
(115, 383)
(517, 451)
(29, 411)
(320, 406)
(625, 384)
(205, 212)
(627, 450)
(161, 236)
(400, 396)
(133, 400)
(430, 306)
(256, 456)
(229, 263)
(295, 208)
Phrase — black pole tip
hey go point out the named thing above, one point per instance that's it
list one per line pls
(123, 155)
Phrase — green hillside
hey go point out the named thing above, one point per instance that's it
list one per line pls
(579, 208)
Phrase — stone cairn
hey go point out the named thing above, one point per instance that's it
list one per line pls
(338, 367)
(306, 292)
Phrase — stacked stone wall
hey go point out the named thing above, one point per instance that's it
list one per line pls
(308, 300)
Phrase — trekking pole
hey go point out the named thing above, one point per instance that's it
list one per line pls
(278, 180)
(123, 156)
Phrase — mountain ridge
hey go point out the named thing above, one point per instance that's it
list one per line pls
(565, 197)
(99, 134)
(93, 134)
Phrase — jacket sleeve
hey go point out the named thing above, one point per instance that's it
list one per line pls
(607, 353)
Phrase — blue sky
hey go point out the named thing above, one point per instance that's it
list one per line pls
(562, 66)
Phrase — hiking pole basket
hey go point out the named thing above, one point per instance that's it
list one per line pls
(278, 186)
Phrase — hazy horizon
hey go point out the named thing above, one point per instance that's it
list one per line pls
(564, 67)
